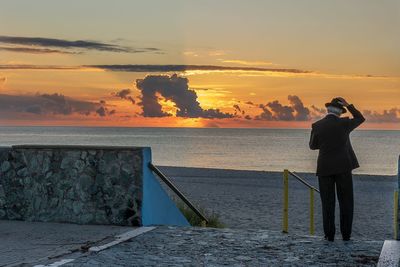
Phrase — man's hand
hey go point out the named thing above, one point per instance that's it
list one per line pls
(343, 101)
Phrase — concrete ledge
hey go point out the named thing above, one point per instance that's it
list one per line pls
(390, 254)
(80, 147)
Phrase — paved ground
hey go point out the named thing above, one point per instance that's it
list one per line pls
(169, 246)
(253, 200)
(38, 244)
(249, 203)
(32, 242)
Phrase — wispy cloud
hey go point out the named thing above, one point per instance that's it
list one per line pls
(246, 62)
(190, 54)
(35, 50)
(182, 68)
(151, 68)
(38, 67)
(216, 53)
(76, 44)
(200, 69)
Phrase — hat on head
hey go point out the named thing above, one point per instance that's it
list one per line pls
(337, 104)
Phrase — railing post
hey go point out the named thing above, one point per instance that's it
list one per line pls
(311, 211)
(285, 223)
(396, 215)
(397, 205)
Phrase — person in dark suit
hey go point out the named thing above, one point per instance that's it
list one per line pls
(336, 160)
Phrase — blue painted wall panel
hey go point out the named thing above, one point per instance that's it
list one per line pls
(157, 206)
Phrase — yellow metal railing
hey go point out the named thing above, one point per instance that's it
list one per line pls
(285, 201)
(164, 178)
(285, 221)
(396, 204)
(396, 215)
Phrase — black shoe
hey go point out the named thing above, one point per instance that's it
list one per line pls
(329, 238)
(347, 238)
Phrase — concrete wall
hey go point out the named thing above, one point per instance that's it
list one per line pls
(78, 184)
(157, 208)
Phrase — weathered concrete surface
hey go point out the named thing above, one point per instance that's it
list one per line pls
(35, 242)
(390, 254)
(170, 246)
(76, 184)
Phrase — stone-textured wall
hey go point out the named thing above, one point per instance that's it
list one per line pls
(75, 184)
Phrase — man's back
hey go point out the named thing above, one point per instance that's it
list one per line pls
(331, 136)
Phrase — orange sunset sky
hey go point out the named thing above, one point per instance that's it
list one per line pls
(204, 63)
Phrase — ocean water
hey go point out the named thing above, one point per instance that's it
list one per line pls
(241, 149)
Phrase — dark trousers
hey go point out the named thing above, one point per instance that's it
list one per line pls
(344, 186)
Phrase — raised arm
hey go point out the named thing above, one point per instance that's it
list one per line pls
(357, 119)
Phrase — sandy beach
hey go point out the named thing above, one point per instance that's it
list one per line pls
(253, 200)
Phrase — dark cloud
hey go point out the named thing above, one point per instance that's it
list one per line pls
(175, 89)
(237, 108)
(49, 104)
(281, 112)
(249, 103)
(275, 111)
(317, 113)
(150, 68)
(125, 94)
(181, 68)
(248, 117)
(215, 114)
(266, 115)
(36, 109)
(67, 44)
(31, 50)
(101, 111)
(391, 115)
(318, 110)
(302, 113)
(58, 104)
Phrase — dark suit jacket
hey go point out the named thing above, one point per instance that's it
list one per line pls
(331, 136)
